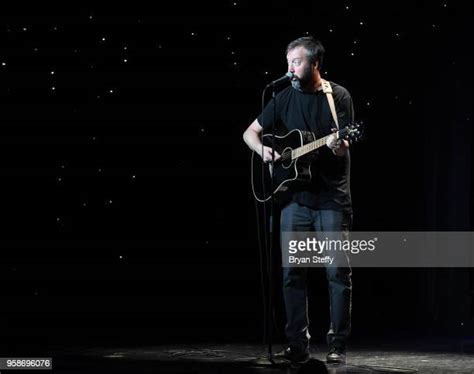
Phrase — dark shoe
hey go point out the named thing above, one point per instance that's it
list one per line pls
(293, 355)
(336, 356)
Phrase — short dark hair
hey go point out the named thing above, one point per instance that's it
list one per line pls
(314, 49)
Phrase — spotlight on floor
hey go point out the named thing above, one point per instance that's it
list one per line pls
(313, 366)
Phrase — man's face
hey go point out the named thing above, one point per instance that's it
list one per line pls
(299, 65)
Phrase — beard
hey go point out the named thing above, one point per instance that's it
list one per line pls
(303, 82)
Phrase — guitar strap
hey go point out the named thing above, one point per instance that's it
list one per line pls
(327, 89)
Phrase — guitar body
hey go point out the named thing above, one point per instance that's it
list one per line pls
(288, 173)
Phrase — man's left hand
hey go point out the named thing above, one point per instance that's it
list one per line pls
(337, 146)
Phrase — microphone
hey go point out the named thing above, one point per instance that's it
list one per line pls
(288, 76)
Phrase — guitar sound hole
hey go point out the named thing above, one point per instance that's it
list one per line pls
(286, 160)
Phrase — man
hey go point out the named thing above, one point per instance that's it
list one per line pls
(324, 205)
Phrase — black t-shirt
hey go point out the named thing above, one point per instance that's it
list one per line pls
(330, 184)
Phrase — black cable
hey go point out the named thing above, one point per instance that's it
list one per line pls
(269, 311)
(272, 233)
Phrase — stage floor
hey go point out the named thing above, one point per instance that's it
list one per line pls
(240, 358)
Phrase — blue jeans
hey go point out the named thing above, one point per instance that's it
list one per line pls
(295, 217)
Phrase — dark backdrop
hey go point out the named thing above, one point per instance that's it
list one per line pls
(126, 208)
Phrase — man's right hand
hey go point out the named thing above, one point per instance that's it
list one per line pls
(252, 137)
(267, 154)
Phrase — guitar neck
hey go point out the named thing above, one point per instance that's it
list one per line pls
(312, 146)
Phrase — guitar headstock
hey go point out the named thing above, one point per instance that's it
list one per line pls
(353, 132)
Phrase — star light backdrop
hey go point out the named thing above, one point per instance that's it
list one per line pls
(126, 201)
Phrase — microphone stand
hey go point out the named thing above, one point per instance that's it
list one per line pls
(271, 360)
(272, 236)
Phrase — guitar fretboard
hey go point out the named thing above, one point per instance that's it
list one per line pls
(301, 151)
